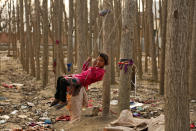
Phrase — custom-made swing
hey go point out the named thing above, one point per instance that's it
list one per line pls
(123, 62)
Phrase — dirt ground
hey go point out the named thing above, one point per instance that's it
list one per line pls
(27, 102)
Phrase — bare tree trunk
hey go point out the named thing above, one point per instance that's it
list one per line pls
(95, 48)
(81, 33)
(157, 35)
(22, 44)
(86, 28)
(93, 27)
(160, 29)
(107, 49)
(45, 41)
(160, 15)
(9, 28)
(64, 33)
(70, 36)
(146, 35)
(75, 34)
(163, 44)
(28, 51)
(58, 34)
(193, 58)
(112, 41)
(14, 31)
(33, 42)
(37, 37)
(135, 51)
(139, 50)
(18, 27)
(176, 78)
(31, 47)
(128, 23)
(52, 36)
(152, 40)
(32, 60)
(89, 38)
(100, 24)
(117, 18)
(113, 53)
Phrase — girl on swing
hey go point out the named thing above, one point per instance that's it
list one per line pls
(74, 84)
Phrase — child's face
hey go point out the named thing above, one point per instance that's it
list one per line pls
(100, 62)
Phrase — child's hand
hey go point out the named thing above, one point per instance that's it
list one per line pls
(94, 63)
(89, 59)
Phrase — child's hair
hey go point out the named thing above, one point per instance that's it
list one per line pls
(105, 57)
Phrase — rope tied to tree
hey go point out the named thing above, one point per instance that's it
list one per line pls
(105, 13)
(125, 63)
(131, 69)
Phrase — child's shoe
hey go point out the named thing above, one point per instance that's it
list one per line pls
(60, 105)
(55, 102)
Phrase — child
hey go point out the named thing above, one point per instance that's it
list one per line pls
(74, 83)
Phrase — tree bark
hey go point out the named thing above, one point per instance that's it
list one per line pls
(18, 26)
(176, 71)
(193, 58)
(22, 41)
(58, 33)
(139, 50)
(86, 28)
(152, 40)
(65, 35)
(45, 42)
(163, 43)
(107, 49)
(27, 43)
(100, 25)
(14, 31)
(112, 41)
(128, 23)
(93, 47)
(31, 47)
(37, 38)
(70, 36)
(81, 33)
(75, 35)
(146, 35)
(117, 18)
(9, 28)
(157, 34)
(52, 34)
(91, 25)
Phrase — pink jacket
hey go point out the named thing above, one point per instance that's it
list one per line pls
(90, 75)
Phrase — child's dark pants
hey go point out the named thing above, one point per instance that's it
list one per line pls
(61, 89)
